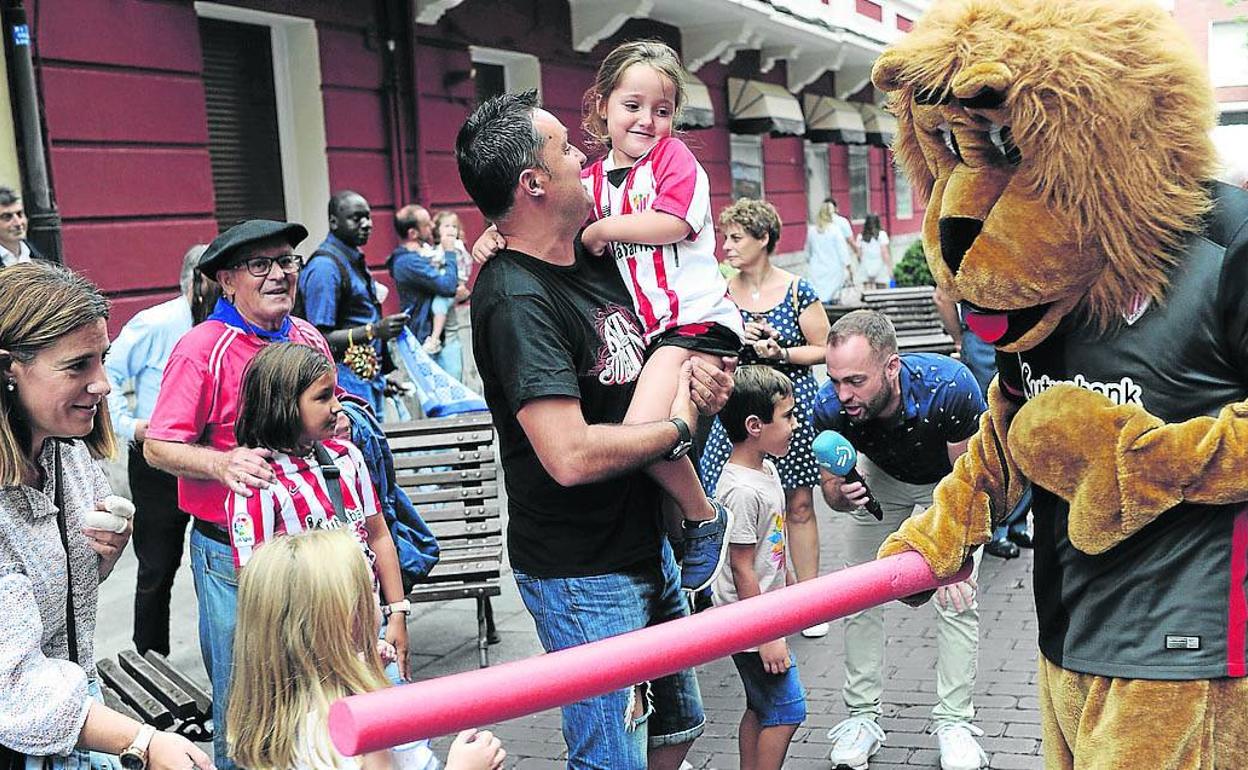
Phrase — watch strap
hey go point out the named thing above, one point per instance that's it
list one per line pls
(684, 439)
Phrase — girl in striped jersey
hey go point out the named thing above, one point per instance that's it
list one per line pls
(307, 618)
(288, 406)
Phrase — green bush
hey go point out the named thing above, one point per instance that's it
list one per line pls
(912, 269)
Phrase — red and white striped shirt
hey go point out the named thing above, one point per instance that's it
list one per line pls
(298, 500)
(679, 283)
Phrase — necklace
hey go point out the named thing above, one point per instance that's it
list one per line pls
(758, 288)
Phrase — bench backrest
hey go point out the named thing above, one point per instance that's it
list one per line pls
(446, 465)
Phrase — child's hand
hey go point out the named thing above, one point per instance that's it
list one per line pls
(386, 652)
(592, 240)
(489, 244)
(474, 750)
(775, 656)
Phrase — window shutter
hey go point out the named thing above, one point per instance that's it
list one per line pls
(242, 122)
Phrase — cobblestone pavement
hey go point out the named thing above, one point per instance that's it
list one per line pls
(443, 642)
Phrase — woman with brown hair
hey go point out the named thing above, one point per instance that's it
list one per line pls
(53, 426)
(785, 328)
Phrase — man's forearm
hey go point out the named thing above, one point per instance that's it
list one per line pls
(607, 451)
(340, 339)
(182, 460)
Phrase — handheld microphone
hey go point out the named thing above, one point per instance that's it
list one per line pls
(837, 456)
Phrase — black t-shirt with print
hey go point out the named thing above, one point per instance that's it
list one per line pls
(542, 330)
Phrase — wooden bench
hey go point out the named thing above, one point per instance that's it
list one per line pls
(447, 467)
(913, 313)
(149, 689)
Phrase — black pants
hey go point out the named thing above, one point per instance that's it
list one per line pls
(159, 531)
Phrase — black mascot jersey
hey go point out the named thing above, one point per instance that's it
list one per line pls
(1170, 601)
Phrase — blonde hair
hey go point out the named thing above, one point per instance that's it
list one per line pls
(824, 216)
(652, 53)
(39, 304)
(447, 214)
(306, 636)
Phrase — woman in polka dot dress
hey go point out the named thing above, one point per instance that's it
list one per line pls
(786, 327)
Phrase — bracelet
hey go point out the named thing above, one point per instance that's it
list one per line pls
(350, 342)
(369, 330)
(784, 355)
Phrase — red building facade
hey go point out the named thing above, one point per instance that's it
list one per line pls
(367, 98)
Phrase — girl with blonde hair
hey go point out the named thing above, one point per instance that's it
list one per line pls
(307, 635)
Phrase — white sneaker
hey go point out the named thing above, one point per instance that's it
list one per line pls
(817, 631)
(854, 742)
(958, 748)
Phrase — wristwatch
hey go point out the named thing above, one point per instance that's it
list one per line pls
(684, 440)
(135, 755)
(404, 606)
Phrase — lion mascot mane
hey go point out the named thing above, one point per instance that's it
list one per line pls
(1064, 149)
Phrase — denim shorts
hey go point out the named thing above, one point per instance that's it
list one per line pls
(614, 731)
(778, 699)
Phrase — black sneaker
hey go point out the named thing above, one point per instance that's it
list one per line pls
(706, 548)
(1002, 549)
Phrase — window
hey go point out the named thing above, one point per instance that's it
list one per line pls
(495, 71)
(859, 186)
(746, 155)
(818, 182)
(243, 138)
(901, 189)
(1228, 53)
(268, 160)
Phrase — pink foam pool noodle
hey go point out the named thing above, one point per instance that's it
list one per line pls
(445, 705)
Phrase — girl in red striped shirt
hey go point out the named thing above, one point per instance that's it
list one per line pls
(288, 406)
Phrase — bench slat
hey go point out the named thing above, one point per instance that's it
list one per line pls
(114, 702)
(442, 593)
(156, 683)
(449, 493)
(144, 703)
(203, 701)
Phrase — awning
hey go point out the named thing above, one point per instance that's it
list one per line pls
(697, 112)
(881, 126)
(832, 120)
(755, 107)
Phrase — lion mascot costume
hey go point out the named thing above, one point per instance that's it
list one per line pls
(1064, 147)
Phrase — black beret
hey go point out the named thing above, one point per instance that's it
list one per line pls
(223, 248)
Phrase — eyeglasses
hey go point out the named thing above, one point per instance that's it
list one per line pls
(262, 266)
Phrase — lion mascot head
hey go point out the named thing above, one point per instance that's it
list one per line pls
(1064, 149)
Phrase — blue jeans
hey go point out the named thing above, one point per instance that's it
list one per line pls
(1016, 520)
(216, 587)
(777, 699)
(980, 358)
(373, 391)
(451, 356)
(610, 732)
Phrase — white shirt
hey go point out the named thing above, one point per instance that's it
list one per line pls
(10, 259)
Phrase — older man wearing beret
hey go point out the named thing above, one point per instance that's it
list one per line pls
(191, 433)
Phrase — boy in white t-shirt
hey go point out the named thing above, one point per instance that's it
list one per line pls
(759, 421)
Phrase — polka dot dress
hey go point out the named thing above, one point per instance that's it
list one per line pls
(797, 468)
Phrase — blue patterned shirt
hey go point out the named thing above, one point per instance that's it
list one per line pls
(940, 405)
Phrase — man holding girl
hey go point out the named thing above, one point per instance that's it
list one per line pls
(559, 350)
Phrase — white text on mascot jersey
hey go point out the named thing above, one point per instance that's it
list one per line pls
(1122, 392)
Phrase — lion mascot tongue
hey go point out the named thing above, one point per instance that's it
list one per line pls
(1064, 147)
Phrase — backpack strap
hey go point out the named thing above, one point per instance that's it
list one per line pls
(333, 481)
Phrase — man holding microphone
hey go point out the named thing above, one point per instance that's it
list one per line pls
(909, 417)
